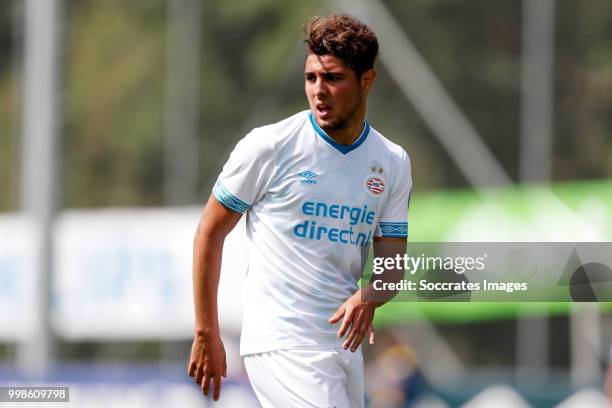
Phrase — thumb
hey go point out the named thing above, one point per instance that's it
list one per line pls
(338, 315)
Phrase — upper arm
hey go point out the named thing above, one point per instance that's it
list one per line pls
(393, 221)
(217, 220)
(389, 247)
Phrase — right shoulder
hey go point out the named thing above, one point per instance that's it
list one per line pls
(279, 132)
(263, 142)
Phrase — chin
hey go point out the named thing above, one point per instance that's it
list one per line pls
(325, 124)
(333, 126)
(330, 124)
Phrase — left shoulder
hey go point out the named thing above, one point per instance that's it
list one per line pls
(393, 152)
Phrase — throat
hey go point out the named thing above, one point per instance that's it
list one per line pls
(348, 135)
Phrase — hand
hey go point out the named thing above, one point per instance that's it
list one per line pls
(208, 363)
(358, 317)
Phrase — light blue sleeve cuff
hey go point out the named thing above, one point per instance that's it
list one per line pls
(393, 229)
(229, 200)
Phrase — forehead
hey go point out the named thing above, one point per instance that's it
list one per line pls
(324, 63)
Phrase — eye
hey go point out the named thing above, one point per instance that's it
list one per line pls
(332, 77)
(310, 77)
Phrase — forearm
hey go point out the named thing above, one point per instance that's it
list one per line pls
(207, 253)
(376, 297)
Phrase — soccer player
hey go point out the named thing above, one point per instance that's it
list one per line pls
(317, 188)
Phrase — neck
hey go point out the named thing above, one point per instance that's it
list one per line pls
(349, 134)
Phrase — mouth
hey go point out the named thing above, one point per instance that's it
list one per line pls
(323, 110)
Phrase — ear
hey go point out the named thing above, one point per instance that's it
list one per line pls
(368, 78)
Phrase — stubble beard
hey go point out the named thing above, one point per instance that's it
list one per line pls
(343, 122)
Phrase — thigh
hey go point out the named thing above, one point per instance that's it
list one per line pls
(302, 378)
(353, 366)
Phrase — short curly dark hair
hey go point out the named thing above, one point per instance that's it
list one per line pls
(345, 37)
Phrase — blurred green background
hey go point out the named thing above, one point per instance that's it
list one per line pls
(114, 82)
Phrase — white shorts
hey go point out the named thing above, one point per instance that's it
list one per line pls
(307, 378)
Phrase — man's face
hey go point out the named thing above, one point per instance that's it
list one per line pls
(334, 92)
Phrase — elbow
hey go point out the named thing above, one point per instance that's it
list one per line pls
(207, 236)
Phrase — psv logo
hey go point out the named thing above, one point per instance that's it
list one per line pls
(375, 185)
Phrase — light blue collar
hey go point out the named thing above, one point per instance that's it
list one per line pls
(344, 149)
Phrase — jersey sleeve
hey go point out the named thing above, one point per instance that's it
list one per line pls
(393, 221)
(247, 173)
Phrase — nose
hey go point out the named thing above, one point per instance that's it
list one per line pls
(320, 87)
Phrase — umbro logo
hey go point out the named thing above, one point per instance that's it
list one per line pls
(308, 177)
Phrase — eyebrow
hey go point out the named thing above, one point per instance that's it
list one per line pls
(325, 73)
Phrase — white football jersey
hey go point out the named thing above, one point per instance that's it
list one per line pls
(313, 207)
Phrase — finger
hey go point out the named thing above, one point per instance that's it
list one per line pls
(336, 316)
(217, 387)
(191, 368)
(348, 317)
(357, 341)
(359, 330)
(206, 385)
(354, 330)
(359, 338)
(372, 335)
(199, 375)
(353, 333)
